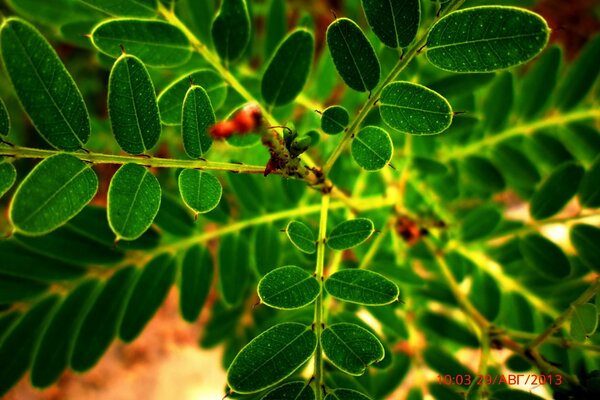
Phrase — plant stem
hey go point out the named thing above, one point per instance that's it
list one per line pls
(566, 315)
(319, 320)
(99, 158)
(398, 68)
(560, 341)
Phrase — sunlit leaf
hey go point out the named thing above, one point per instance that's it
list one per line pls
(351, 348)
(126, 8)
(298, 390)
(301, 236)
(288, 69)
(52, 356)
(586, 240)
(395, 22)
(290, 345)
(334, 119)
(54, 192)
(545, 256)
(44, 87)
(234, 268)
(8, 175)
(231, 29)
(170, 100)
(415, 109)
(195, 281)
(133, 200)
(156, 43)
(101, 321)
(372, 148)
(556, 190)
(350, 233)
(362, 287)
(199, 190)
(197, 117)
(288, 288)
(482, 39)
(353, 55)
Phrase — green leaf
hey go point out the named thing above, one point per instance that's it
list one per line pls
(199, 190)
(442, 362)
(456, 85)
(483, 173)
(276, 26)
(197, 117)
(362, 287)
(288, 288)
(346, 394)
(538, 84)
(170, 100)
(297, 390)
(249, 192)
(195, 281)
(545, 256)
(515, 166)
(448, 328)
(485, 294)
(8, 176)
(149, 292)
(56, 343)
(372, 148)
(231, 29)
(586, 240)
(156, 43)
(581, 76)
(234, 268)
(56, 12)
(479, 223)
(132, 106)
(301, 236)
(483, 39)
(334, 119)
(498, 102)
(44, 87)
(290, 345)
(589, 190)
(133, 201)
(174, 217)
(18, 346)
(267, 248)
(288, 69)
(16, 289)
(350, 233)
(556, 190)
(428, 166)
(19, 262)
(414, 109)
(55, 191)
(351, 348)
(395, 22)
(584, 321)
(101, 321)
(126, 8)
(4, 120)
(353, 55)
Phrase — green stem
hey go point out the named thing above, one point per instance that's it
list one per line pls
(398, 68)
(560, 341)
(483, 366)
(319, 320)
(99, 158)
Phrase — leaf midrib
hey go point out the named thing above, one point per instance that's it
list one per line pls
(499, 38)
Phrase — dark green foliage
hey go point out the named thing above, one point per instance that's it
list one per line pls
(546, 257)
(288, 288)
(586, 240)
(4, 120)
(197, 117)
(556, 190)
(234, 268)
(195, 280)
(334, 120)
(395, 22)
(231, 29)
(362, 287)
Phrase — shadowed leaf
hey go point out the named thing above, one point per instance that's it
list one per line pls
(231, 29)
(395, 22)
(195, 281)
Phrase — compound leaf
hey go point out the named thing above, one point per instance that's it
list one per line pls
(234, 268)
(350, 233)
(351, 348)
(231, 29)
(372, 148)
(199, 190)
(415, 109)
(362, 287)
(195, 281)
(52, 356)
(132, 106)
(8, 176)
(334, 119)
(288, 69)
(197, 117)
(545, 256)
(133, 201)
(353, 55)
(483, 39)
(170, 100)
(149, 292)
(395, 22)
(301, 236)
(101, 321)
(156, 43)
(556, 190)
(586, 240)
(290, 345)
(288, 288)
(44, 87)
(55, 191)
(346, 394)
(298, 390)
(126, 8)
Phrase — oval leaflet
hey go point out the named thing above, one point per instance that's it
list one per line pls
(288, 288)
